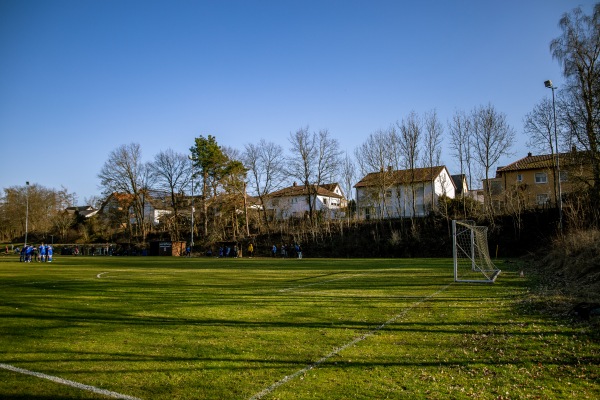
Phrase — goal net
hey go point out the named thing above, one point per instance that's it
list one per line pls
(472, 261)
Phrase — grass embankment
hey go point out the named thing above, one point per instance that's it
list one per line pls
(566, 278)
(165, 328)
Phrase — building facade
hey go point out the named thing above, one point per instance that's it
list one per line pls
(402, 193)
(532, 181)
(293, 201)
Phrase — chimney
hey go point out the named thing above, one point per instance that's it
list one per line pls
(529, 154)
(294, 184)
(389, 168)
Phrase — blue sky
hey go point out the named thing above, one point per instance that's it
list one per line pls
(80, 78)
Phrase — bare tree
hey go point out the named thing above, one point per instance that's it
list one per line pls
(172, 172)
(539, 125)
(348, 175)
(460, 143)
(433, 147)
(328, 158)
(314, 158)
(411, 131)
(44, 205)
(379, 153)
(578, 50)
(265, 162)
(492, 138)
(125, 172)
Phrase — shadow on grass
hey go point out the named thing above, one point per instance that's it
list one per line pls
(236, 362)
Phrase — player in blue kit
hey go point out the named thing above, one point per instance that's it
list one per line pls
(42, 252)
(28, 253)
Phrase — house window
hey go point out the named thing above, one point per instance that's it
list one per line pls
(542, 199)
(325, 201)
(496, 187)
(420, 195)
(564, 176)
(541, 177)
(519, 178)
(388, 194)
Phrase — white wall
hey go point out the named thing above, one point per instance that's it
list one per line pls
(398, 199)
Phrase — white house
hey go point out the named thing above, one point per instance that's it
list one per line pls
(293, 201)
(402, 193)
(155, 206)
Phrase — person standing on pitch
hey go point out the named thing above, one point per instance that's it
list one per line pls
(28, 253)
(49, 253)
(42, 252)
(250, 250)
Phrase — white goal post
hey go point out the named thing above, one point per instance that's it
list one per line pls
(472, 262)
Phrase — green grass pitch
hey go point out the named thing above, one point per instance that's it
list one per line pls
(199, 328)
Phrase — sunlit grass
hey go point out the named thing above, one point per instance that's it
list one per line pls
(178, 328)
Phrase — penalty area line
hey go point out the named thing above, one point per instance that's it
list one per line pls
(318, 283)
(333, 280)
(337, 350)
(77, 385)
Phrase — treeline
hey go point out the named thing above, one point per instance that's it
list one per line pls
(217, 180)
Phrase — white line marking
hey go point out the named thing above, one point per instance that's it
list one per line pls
(77, 385)
(338, 279)
(318, 283)
(100, 274)
(344, 347)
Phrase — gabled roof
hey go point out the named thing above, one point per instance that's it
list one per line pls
(460, 180)
(84, 211)
(296, 191)
(544, 161)
(79, 208)
(120, 197)
(330, 186)
(402, 177)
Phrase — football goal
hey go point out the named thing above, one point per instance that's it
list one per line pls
(472, 262)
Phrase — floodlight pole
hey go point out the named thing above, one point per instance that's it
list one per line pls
(549, 85)
(192, 230)
(26, 211)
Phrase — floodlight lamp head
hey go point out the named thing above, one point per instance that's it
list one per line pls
(549, 84)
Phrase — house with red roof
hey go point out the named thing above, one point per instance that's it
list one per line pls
(532, 181)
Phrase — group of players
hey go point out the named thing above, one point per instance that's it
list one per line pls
(42, 253)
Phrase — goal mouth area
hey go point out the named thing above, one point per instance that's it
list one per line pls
(472, 262)
(491, 279)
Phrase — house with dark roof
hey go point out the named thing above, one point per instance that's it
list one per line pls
(402, 193)
(532, 181)
(460, 182)
(119, 205)
(82, 211)
(292, 201)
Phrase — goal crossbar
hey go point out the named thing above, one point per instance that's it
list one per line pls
(472, 262)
